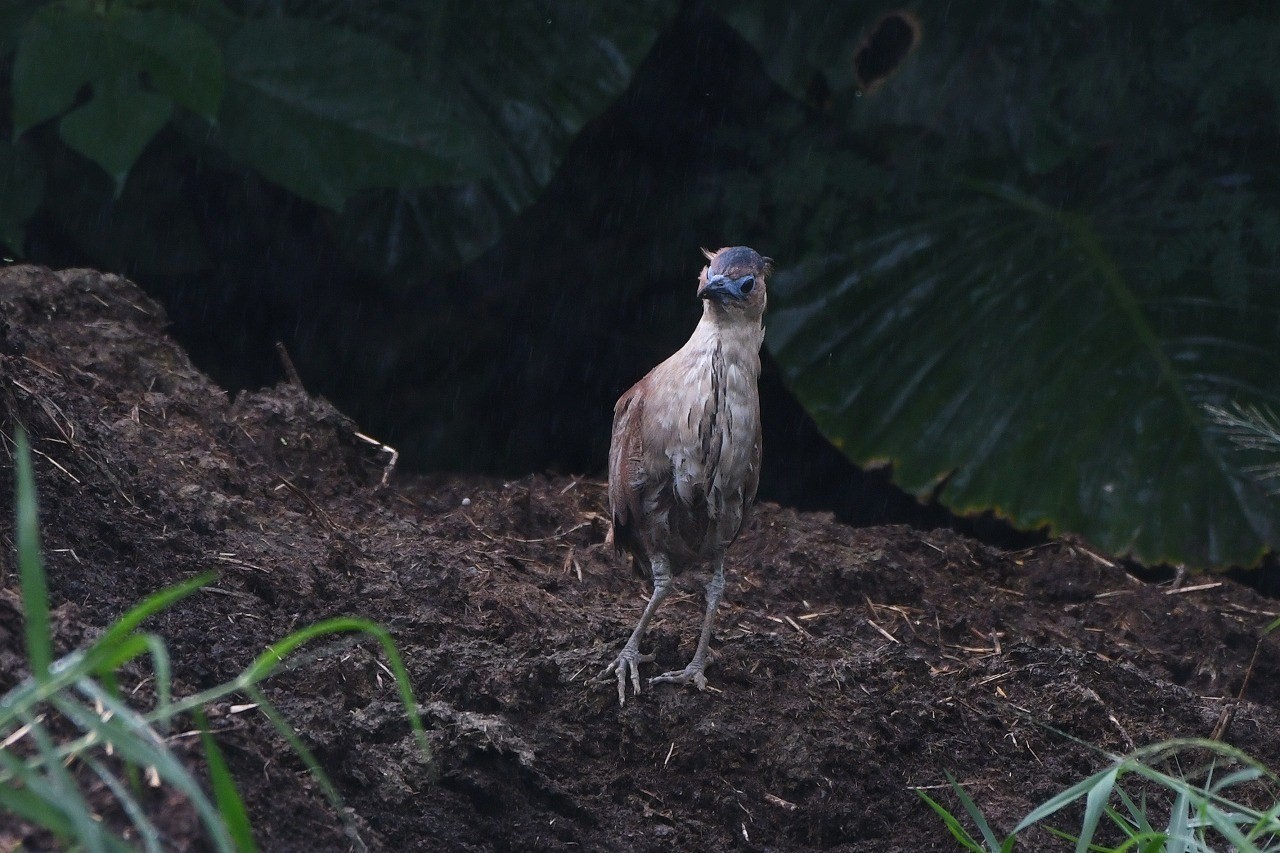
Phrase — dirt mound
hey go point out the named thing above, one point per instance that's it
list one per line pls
(850, 664)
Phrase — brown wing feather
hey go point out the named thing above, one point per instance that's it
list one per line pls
(753, 476)
(626, 471)
(752, 482)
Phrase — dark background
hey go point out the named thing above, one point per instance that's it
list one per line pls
(1092, 182)
(512, 363)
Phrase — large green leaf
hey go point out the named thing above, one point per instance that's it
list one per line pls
(439, 121)
(180, 58)
(459, 115)
(135, 65)
(523, 80)
(114, 127)
(326, 111)
(59, 52)
(64, 48)
(995, 347)
(1056, 244)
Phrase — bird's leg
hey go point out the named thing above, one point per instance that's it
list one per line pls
(629, 659)
(694, 671)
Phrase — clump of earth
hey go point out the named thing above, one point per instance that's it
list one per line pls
(851, 667)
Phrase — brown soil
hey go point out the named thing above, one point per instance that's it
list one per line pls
(850, 664)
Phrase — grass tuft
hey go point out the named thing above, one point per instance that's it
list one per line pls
(1206, 812)
(68, 725)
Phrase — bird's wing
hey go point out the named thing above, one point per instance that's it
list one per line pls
(752, 481)
(626, 467)
(753, 474)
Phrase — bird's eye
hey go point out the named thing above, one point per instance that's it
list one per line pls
(748, 285)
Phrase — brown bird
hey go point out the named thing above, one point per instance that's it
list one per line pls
(684, 462)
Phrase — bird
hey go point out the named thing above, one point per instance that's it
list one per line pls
(684, 459)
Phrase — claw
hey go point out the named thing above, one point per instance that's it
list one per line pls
(689, 675)
(627, 663)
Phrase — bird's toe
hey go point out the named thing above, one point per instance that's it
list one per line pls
(689, 675)
(627, 665)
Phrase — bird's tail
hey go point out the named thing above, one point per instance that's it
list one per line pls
(641, 567)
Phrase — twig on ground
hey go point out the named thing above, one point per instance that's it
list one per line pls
(292, 372)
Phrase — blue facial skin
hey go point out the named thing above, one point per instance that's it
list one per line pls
(722, 288)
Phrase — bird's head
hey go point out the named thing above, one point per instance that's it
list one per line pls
(733, 282)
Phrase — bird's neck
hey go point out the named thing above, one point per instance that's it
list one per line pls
(734, 332)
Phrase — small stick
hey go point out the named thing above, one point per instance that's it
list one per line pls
(240, 564)
(382, 448)
(20, 733)
(292, 372)
(57, 465)
(306, 498)
(1229, 709)
(885, 633)
(560, 535)
(794, 624)
(1180, 590)
(1104, 561)
(807, 616)
(778, 801)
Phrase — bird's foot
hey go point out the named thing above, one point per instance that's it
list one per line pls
(691, 674)
(628, 663)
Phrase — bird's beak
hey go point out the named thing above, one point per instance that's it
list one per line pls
(722, 288)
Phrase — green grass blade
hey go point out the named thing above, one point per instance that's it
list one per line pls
(975, 813)
(1225, 824)
(111, 684)
(146, 829)
(407, 699)
(108, 659)
(270, 660)
(1201, 818)
(225, 792)
(958, 832)
(66, 794)
(1060, 801)
(30, 692)
(117, 646)
(1239, 777)
(1144, 842)
(308, 757)
(1121, 822)
(18, 702)
(148, 607)
(32, 804)
(1098, 796)
(164, 679)
(65, 672)
(32, 797)
(137, 742)
(1268, 824)
(1147, 842)
(131, 647)
(1196, 796)
(42, 791)
(35, 590)
(1137, 812)
(1179, 829)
